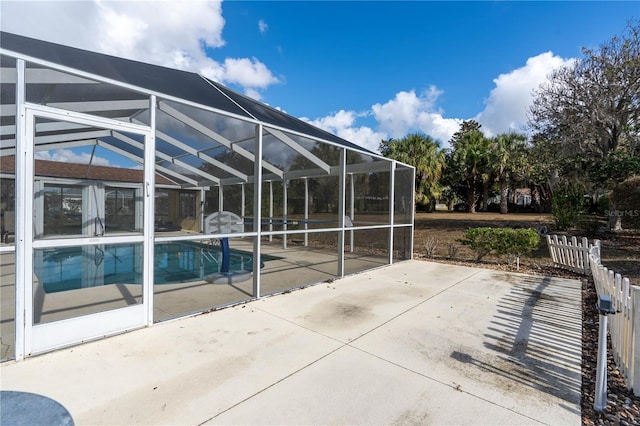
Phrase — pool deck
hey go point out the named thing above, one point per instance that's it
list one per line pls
(413, 343)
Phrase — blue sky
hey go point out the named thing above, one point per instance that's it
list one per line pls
(354, 54)
(363, 70)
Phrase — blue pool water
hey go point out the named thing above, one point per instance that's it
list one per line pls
(70, 268)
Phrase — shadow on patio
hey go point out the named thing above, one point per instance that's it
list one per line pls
(535, 336)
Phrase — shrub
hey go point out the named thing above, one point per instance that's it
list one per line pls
(514, 243)
(452, 250)
(567, 204)
(626, 197)
(430, 247)
(508, 242)
(480, 240)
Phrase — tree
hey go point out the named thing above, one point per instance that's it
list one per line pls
(592, 108)
(508, 162)
(424, 153)
(322, 189)
(545, 165)
(470, 158)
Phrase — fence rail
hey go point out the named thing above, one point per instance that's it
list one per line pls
(570, 254)
(624, 325)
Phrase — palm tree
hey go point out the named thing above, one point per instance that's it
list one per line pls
(471, 155)
(425, 154)
(508, 161)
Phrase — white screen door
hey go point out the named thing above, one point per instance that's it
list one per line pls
(88, 271)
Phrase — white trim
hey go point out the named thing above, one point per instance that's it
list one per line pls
(148, 213)
(341, 210)
(100, 106)
(284, 211)
(392, 192)
(24, 189)
(58, 334)
(202, 237)
(86, 119)
(43, 337)
(352, 210)
(257, 214)
(413, 211)
(306, 210)
(72, 241)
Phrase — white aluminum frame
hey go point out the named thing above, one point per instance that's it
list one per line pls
(45, 337)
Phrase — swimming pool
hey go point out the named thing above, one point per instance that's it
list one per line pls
(69, 268)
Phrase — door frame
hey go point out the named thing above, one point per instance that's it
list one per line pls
(38, 338)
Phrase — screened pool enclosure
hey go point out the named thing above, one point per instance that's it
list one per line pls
(132, 194)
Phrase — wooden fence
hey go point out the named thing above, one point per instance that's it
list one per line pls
(570, 254)
(624, 325)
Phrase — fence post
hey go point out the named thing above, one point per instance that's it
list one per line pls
(552, 249)
(596, 243)
(634, 380)
(584, 254)
(605, 308)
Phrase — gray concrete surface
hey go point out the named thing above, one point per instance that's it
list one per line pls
(413, 343)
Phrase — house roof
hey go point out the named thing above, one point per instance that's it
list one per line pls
(82, 171)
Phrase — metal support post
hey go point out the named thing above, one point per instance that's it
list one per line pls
(605, 307)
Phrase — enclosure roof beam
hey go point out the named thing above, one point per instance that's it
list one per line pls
(64, 145)
(160, 169)
(9, 129)
(165, 157)
(199, 154)
(64, 137)
(42, 76)
(196, 171)
(49, 127)
(97, 106)
(299, 149)
(213, 135)
(129, 155)
(8, 110)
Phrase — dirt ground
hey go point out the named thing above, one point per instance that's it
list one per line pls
(436, 236)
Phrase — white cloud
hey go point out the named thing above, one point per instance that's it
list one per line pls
(506, 107)
(343, 124)
(69, 156)
(404, 114)
(408, 112)
(168, 33)
(249, 73)
(262, 26)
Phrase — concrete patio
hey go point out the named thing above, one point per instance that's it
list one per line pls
(413, 343)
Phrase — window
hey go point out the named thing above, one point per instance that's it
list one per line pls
(187, 204)
(62, 210)
(120, 209)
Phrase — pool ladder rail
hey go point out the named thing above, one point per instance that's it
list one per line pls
(97, 223)
(209, 256)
